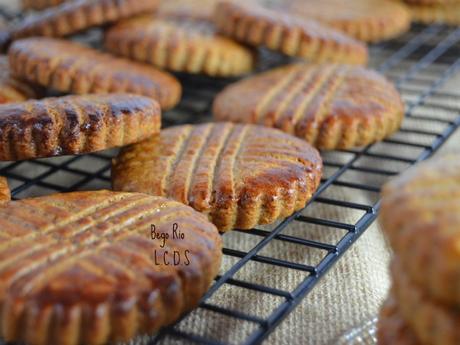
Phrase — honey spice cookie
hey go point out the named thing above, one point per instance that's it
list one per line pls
(420, 214)
(238, 175)
(5, 194)
(258, 23)
(181, 44)
(75, 124)
(88, 267)
(39, 4)
(71, 67)
(74, 16)
(366, 20)
(11, 89)
(438, 13)
(330, 106)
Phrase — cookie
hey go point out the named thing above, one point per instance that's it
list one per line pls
(99, 267)
(226, 171)
(71, 67)
(261, 23)
(72, 17)
(39, 4)
(438, 13)
(11, 89)
(181, 44)
(433, 323)
(202, 9)
(366, 20)
(330, 106)
(75, 124)
(431, 2)
(5, 194)
(392, 329)
(420, 214)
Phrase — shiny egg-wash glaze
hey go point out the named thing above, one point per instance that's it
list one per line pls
(238, 175)
(75, 124)
(329, 106)
(71, 67)
(80, 268)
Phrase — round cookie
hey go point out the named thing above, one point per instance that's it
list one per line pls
(39, 4)
(392, 329)
(366, 20)
(11, 89)
(238, 175)
(75, 125)
(438, 13)
(86, 268)
(74, 16)
(433, 323)
(5, 194)
(181, 44)
(257, 23)
(420, 214)
(71, 67)
(330, 106)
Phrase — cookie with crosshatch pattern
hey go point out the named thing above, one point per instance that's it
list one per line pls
(365, 20)
(392, 329)
(92, 267)
(72, 67)
(75, 16)
(420, 214)
(238, 175)
(179, 43)
(263, 23)
(75, 124)
(329, 106)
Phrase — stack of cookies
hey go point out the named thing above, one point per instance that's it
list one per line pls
(95, 267)
(421, 217)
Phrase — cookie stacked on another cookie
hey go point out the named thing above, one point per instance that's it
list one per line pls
(329, 106)
(180, 37)
(421, 217)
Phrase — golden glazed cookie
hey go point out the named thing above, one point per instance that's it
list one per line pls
(432, 322)
(420, 214)
(5, 194)
(39, 4)
(77, 15)
(75, 124)
(392, 329)
(238, 175)
(11, 89)
(439, 13)
(71, 67)
(366, 20)
(84, 268)
(330, 106)
(180, 44)
(258, 23)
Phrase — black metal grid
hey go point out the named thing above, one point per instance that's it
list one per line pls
(420, 63)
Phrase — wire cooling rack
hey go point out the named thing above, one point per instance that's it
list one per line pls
(420, 63)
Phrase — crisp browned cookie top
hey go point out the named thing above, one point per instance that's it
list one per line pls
(98, 267)
(270, 24)
(238, 175)
(74, 16)
(330, 106)
(72, 67)
(75, 124)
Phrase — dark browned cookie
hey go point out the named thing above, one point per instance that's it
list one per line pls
(71, 67)
(74, 16)
(238, 175)
(75, 124)
(330, 106)
(262, 23)
(91, 267)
